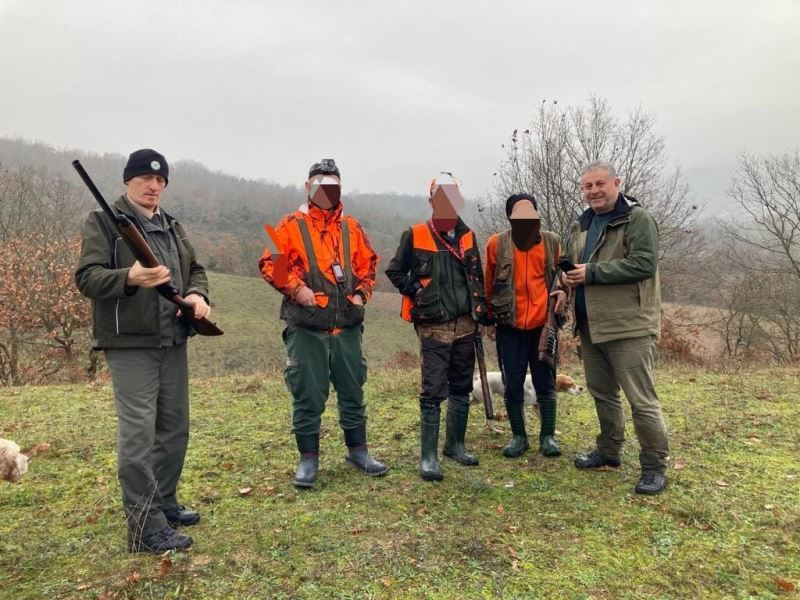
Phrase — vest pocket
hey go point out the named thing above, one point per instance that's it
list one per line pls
(503, 294)
(427, 305)
(353, 315)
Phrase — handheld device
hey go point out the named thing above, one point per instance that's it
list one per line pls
(565, 264)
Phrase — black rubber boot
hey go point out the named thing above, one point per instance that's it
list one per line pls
(306, 473)
(429, 468)
(457, 417)
(519, 442)
(357, 453)
(548, 445)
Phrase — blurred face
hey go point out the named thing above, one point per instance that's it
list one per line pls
(600, 190)
(324, 191)
(525, 224)
(145, 190)
(446, 201)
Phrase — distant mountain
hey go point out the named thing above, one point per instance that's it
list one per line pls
(224, 213)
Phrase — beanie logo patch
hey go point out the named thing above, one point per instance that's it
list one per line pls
(155, 165)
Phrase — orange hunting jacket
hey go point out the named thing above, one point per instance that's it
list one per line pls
(288, 274)
(530, 283)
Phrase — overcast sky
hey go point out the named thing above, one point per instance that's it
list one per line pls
(395, 91)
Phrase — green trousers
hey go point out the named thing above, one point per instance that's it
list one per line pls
(315, 359)
(151, 394)
(626, 364)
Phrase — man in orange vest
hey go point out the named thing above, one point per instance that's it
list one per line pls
(325, 268)
(437, 268)
(520, 270)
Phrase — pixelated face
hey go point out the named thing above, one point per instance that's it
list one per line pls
(600, 190)
(446, 202)
(145, 190)
(525, 222)
(324, 191)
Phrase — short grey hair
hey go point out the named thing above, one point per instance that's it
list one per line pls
(599, 164)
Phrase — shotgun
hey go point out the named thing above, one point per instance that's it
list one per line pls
(144, 254)
(488, 403)
(549, 337)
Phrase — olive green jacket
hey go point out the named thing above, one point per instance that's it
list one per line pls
(124, 316)
(622, 289)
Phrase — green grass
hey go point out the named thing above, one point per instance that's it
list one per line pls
(247, 309)
(727, 527)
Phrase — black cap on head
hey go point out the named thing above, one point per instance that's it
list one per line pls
(327, 166)
(145, 162)
(512, 200)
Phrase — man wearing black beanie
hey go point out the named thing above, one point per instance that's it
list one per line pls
(144, 340)
(520, 271)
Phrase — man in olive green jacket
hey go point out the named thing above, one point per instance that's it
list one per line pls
(614, 246)
(144, 340)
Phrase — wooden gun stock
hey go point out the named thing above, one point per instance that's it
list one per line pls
(141, 250)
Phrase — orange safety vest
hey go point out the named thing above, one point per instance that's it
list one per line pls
(423, 243)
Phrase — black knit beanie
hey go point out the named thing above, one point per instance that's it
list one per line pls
(145, 162)
(512, 200)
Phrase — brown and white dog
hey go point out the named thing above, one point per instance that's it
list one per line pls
(564, 383)
(13, 464)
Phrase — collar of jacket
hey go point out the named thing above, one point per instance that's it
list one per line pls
(123, 205)
(621, 209)
(460, 228)
(321, 217)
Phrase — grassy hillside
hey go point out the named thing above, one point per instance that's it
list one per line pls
(247, 309)
(727, 527)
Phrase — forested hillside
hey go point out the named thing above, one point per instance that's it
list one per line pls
(225, 213)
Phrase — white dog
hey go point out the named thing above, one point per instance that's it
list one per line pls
(564, 383)
(13, 465)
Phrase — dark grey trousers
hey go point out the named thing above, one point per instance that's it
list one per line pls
(151, 393)
(626, 364)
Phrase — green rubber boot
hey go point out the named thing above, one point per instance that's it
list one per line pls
(519, 442)
(457, 417)
(429, 468)
(548, 445)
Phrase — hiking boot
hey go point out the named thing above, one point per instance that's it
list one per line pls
(651, 483)
(160, 541)
(595, 460)
(457, 416)
(519, 440)
(357, 453)
(178, 515)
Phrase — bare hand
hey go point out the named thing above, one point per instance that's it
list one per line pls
(200, 310)
(561, 299)
(577, 276)
(357, 300)
(139, 276)
(305, 296)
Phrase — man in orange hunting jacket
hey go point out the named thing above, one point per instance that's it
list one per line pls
(325, 268)
(520, 271)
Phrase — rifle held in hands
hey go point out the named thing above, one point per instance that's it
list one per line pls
(549, 338)
(144, 254)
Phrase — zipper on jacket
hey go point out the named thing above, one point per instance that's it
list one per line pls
(116, 302)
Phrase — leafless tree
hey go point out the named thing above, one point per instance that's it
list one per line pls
(546, 158)
(764, 247)
(768, 190)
